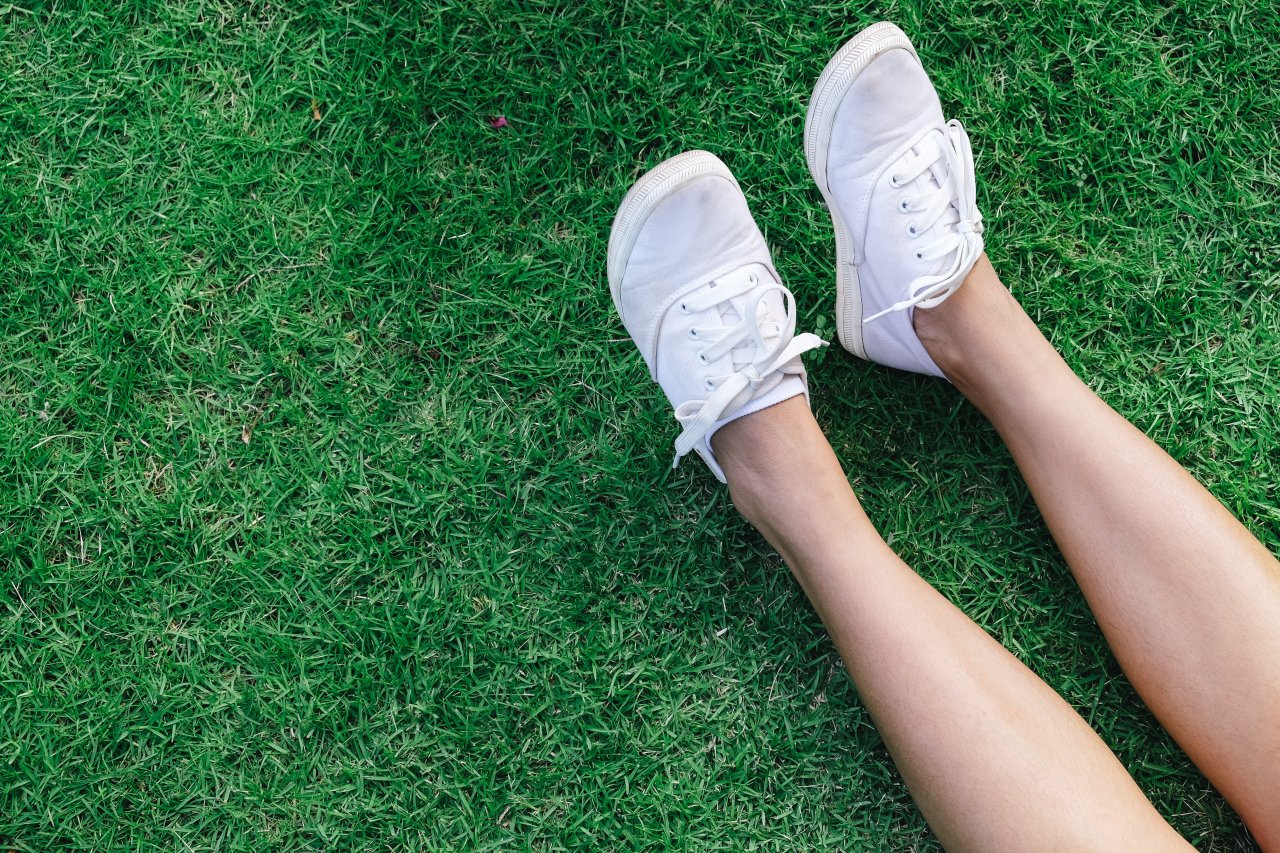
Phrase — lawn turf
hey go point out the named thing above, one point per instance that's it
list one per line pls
(335, 510)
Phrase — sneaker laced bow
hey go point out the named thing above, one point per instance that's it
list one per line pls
(763, 350)
(943, 154)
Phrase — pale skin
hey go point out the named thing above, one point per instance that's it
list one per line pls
(1188, 599)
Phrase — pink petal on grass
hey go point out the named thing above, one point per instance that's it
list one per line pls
(497, 122)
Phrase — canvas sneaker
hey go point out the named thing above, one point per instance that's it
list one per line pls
(898, 181)
(693, 281)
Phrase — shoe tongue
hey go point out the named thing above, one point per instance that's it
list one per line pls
(731, 310)
(770, 309)
(926, 186)
(769, 306)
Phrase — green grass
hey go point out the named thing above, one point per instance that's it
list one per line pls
(334, 510)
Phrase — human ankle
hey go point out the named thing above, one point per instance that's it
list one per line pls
(763, 454)
(759, 444)
(785, 479)
(962, 329)
(986, 345)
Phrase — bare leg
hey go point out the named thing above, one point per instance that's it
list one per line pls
(1187, 598)
(994, 758)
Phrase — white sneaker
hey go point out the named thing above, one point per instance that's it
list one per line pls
(898, 180)
(694, 284)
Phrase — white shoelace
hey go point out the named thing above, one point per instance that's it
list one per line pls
(762, 353)
(946, 155)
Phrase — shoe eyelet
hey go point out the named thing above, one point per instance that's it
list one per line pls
(693, 333)
(684, 309)
(920, 257)
(895, 181)
(912, 231)
(904, 206)
(709, 384)
(702, 358)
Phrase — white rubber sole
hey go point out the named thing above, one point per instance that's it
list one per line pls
(653, 187)
(830, 90)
